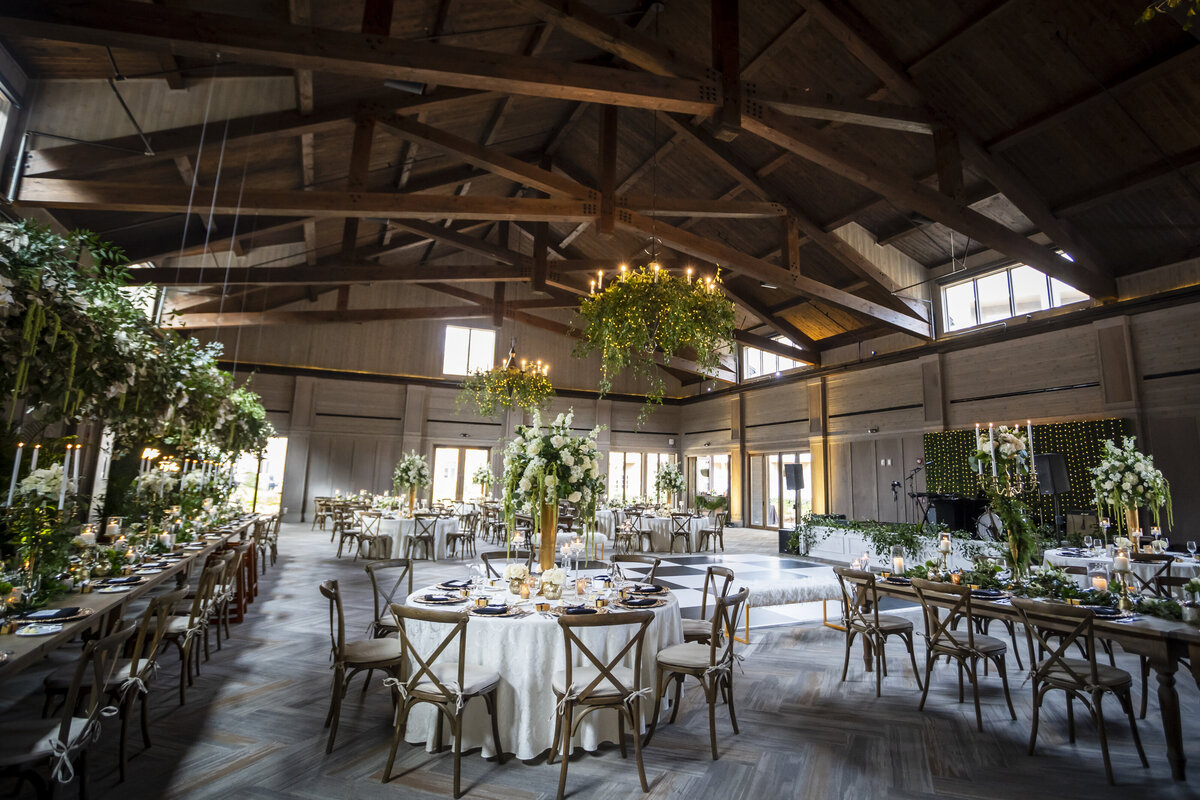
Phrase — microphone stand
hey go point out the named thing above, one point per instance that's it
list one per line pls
(912, 493)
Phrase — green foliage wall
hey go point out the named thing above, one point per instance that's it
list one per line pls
(948, 472)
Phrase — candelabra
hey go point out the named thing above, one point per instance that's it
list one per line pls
(1008, 484)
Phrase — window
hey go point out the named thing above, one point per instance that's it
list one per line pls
(1019, 289)
(631, 475)
(756, 363)
(772, 504)
(468, 350)
(709, 475)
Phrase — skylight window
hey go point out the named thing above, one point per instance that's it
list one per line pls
(1011, 292)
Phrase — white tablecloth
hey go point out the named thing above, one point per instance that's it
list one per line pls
(527, 652)
(608, 520)
(1184, 566)
(660, 532)
(401, 529)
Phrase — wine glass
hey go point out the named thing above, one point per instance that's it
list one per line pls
(1191, 546)
(1087, 542)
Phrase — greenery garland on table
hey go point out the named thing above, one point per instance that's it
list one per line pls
(651, 311)
(910, 537)
(505, 387)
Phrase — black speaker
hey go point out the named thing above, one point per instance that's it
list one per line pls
(793, 476)
(1051, 471)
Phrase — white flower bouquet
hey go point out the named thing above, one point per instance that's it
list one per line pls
(483, 477)
(670, 481)
(545, 465)
(155, 481)
(412, 472)
(1007, 446)
(555, 576)
(1127, 480)
(516, 572)
(45, 483)
(192, 481)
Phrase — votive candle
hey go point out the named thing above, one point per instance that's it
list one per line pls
(1100, 583)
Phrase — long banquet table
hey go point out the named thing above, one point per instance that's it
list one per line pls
(526, 652)
(1184, 566)
(25, 650)
(1161, 641)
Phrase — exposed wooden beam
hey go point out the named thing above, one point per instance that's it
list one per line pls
(812, 353)
(607, 170)
(775, 46)
(242, 319)
(721, 373)
(717, 252)
(124, 23)
(106, 154)
(533, 46)
(360, 167)
(727, 61)
(485, 158)
(655, 206)
(833, 155)
(790, 235)
(845, 110)
(468, 244)
(332, 273)
(772, 346)
(584, 22)
(948, 158)
(106, 196)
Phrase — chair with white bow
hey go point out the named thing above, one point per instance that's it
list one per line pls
(441, 677)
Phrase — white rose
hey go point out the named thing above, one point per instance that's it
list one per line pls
(551, 481)
(568, 459)
(574, 497)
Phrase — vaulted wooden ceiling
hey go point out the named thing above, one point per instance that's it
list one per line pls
(807, 148)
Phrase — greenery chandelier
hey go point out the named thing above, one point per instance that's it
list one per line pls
(510, 385)
(649, 311)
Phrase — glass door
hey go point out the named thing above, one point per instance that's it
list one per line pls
(772, 504)
(452, 471)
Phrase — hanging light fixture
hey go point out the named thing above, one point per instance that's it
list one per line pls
(511, 384)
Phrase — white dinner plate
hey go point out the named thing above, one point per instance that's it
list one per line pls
(39, 629)
(114, 589)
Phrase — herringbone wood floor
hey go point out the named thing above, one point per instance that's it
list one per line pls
(252, 727)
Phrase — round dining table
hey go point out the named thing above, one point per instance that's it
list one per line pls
(1185, 565)
(527, 650)
(401, 528)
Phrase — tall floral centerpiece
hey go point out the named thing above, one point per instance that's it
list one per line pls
(650, 313)
(39, 520)
(544, 465)
(669, 481)
(1127, 480)
(1002, 462)
(484, 479)
(412, 473)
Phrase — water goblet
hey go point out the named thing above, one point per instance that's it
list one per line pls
(1087, 542)
(1191, 546)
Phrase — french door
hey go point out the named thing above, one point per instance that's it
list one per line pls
(453, 468)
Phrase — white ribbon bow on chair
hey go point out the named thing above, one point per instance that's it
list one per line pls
(63, 770)
(727, 666)
(571, 694)
(634, 695)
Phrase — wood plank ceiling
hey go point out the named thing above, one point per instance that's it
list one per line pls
(552, 139)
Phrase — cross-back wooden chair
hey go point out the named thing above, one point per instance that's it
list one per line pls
(1158, 565)
(447, 683)
(462, 541)
(1081, 679)
(130, 678)
(225, 592)
(638, 558)
(714, 534)
(368, 530)
(681, 528)
(184, 632)
(642, 534)
(861, 617)
(966, 647)
(502, 558)
(717, 580)
(388, 577)
(320, 512)
(625, 538)
(27, 744)
(599, 684)
(424, 533)
(347, 527)
(351, 658)
(711, 664)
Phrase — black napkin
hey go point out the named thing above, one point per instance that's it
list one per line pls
(900, 581)
(647, 588)
(439, 598)
(457, 584)
(1104, 611)
(578, 610)
(121, 581)
(494, 610)
(640, 601)
(49, 615)
(987, 594)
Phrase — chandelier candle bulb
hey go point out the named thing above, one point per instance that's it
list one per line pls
(12, 484)
(75, 475)
(62, 491)
(1029, 434)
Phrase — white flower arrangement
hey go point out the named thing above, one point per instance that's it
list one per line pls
(412, 472)
(545, 465)
(483, 477)
(45, 483)
(1127, 479)
(155, 481)
(1009, 448)
(670, 481)
(516, 572)
(1122, 541)
(555, 576)
(193, 481)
